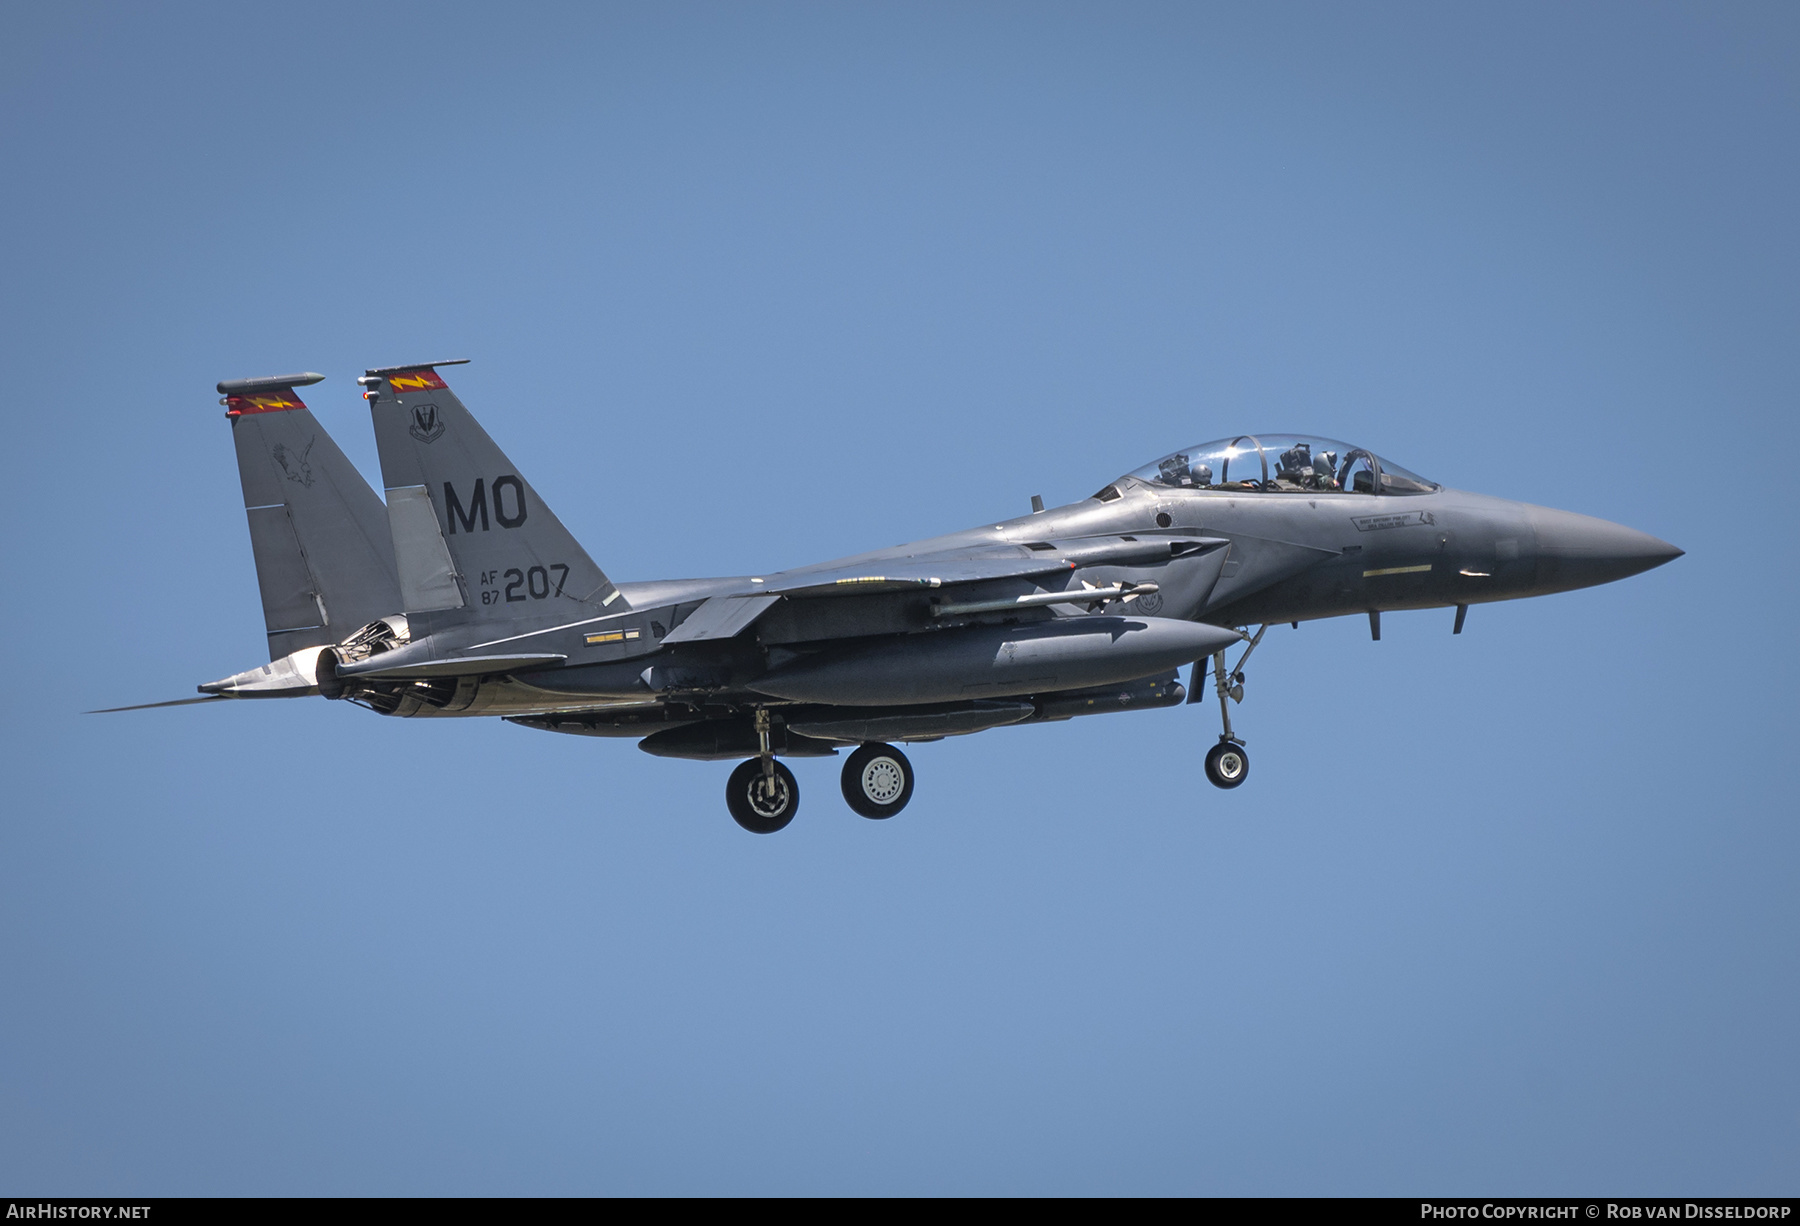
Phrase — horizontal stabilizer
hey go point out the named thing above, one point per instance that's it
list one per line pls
(292, 676)
(720, 617)
(146, 706)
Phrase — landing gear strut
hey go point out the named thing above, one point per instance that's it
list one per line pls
(762, 794)
(1228, 763)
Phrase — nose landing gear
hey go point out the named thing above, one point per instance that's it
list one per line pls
(1228, 762)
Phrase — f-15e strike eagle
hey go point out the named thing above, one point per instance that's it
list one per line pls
(465, 595)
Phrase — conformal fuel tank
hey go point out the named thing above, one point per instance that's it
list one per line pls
(989, 661)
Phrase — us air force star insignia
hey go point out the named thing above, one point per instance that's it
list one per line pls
(425, 424)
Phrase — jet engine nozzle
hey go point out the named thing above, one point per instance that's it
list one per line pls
(330, 684)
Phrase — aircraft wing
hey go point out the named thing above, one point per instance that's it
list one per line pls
(723, 617)
(1017, 562)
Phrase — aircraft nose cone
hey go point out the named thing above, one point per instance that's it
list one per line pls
(1579, 550)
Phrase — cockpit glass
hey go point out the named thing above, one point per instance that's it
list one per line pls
(1281, 463)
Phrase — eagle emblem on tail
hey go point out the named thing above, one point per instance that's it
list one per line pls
(293, 463)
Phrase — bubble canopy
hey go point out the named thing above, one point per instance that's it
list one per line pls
(1280, 464)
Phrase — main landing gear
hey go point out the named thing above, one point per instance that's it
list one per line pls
(877, 781)
(1228, 762)
(763, 795)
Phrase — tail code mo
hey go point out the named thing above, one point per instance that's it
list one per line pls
(477, 507)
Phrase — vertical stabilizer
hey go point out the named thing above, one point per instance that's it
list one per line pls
(468, 529)
(324, 558)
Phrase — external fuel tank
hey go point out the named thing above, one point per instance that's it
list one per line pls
(988, 661)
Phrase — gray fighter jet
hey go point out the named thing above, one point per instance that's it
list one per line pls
(465, 595)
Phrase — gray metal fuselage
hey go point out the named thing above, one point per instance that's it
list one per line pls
(879, 665)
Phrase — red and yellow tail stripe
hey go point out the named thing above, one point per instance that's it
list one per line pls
(416, 381)
(262, 402)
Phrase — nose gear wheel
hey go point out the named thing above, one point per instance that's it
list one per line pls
(1227, 764)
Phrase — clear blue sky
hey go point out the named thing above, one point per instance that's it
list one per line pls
(754, 286)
